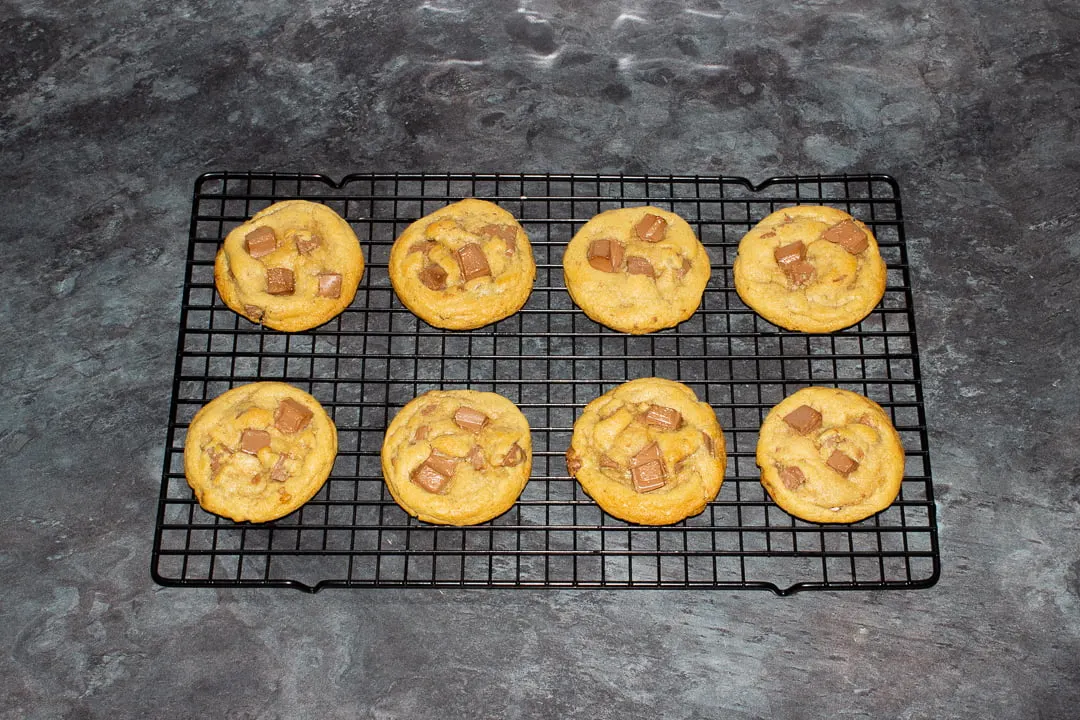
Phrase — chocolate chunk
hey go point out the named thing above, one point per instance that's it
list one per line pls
(607, 462)
(514, 456)
(470, 419)
(433, 277)
(306, 242)
(329, 285)
(686, 267)
(799, 272)
(472, 261)
(647, 469)
(252, 440)
(476, 457)
(506, 232)
(662, 417)
(291, 416)
(573, 462)
(278, 473)
(841, 463)
(606, 255)
(421, 433)
(254, 312)
(848, 235)
(280, 281)
(787, 254)
(435, 472)
(709, 446)
(636, 265)
(260, 242)
(422, 246)
(792, 477)
(803, 419)
(651, 228)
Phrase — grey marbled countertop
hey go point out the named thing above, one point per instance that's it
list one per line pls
(112, 108)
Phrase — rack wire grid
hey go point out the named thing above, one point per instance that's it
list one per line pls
(551, 360)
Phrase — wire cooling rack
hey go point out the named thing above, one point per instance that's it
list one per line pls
(551, 360)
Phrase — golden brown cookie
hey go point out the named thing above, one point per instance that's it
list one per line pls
(830, 456)
(636, 270)
(810, 268)
(291, 267)
(463, 266)
(259, 451)
(648, 452)
(457, 457)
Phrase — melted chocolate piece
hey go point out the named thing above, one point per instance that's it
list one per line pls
(252, 440)
(606, 255)
(573, 462)
(792, 477)
(647, 469)
(260, 242)
(636, 265)
(329, 285)
(506, 232)
(435, 472)
(291, 416)
(708, 441)
(433, 277)
(470, 419)
(280, 281)
(651, 228)
(514, 456)
(662, 417)
(476, 457)
(799, 272)
(278, 473)
(841, 463)
(803, 419)
(306, 242)
(254, 312)
(848, 235)
(785, 255)
(422, 246)
(473, 262)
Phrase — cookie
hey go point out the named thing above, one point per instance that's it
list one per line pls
(636, 270)
(259, 451)
(810, 268)
(830, 456)
(463, 266)
(457, 457)
(648, 452)
(291, 267)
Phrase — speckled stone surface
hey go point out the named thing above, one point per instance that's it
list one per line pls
(111, 109)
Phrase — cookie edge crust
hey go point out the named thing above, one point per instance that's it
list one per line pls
(325, 468)
(623, 503)
(461, 321)
(803, 323)
(886, 494)
(226, 284)
(489, 512)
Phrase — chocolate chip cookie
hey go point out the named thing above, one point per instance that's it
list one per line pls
(636, 270)
(648, 452)
(830, 456)
(810, 268)
(291, 267)
(457, 457)
(463, 266)
(259, 451)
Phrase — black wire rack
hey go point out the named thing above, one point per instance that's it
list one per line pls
(551, 360)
